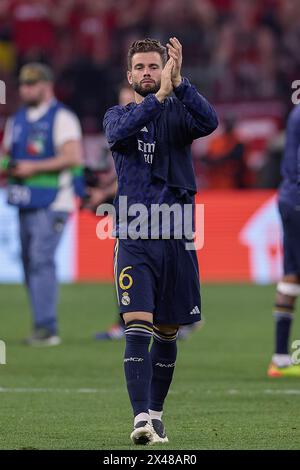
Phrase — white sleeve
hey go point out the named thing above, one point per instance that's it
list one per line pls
(66, 127)
(8, 136)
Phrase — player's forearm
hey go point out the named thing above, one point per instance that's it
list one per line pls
(177, 81)
(121, 126)
(160, 96)
(204, 115)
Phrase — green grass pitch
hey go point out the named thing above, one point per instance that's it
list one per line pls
(73, 396)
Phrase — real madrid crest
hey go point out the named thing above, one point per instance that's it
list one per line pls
(125, 298)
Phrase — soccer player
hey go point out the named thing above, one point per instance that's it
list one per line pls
(156, 277)
(97, 196)
(288, 288)
(43, 143)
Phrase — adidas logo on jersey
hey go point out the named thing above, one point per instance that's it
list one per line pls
(195, 311)
(144, 129)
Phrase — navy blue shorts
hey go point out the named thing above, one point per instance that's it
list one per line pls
(290, 217)
(159, 277)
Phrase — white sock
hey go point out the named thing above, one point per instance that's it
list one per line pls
(155, 414)
(141, 417)
(282, 360)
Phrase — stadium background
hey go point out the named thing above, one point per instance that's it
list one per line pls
(243, 55)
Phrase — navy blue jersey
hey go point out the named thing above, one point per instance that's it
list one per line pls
(289, 190)
(151, 147)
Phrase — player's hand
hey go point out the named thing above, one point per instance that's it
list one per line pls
(175, 52)
(166, 85)
(24, 169)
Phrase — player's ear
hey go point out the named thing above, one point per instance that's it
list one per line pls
(129, 77)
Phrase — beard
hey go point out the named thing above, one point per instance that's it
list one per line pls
(145, 89)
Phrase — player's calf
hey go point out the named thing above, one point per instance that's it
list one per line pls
(287, 292)
(163, 357)
(138, 373)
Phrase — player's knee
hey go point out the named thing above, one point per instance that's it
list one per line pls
(137, 316)
(167, 329)
(288, 289)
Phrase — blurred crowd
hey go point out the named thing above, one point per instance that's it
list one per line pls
(234, 51)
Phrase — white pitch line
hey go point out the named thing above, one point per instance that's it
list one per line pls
(53, 390)
(268, 391)
(282, 392)
(274, 391)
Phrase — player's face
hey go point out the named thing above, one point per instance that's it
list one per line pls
(32, 94)
(145, 73)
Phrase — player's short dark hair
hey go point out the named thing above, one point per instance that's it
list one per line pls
(146, 45)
